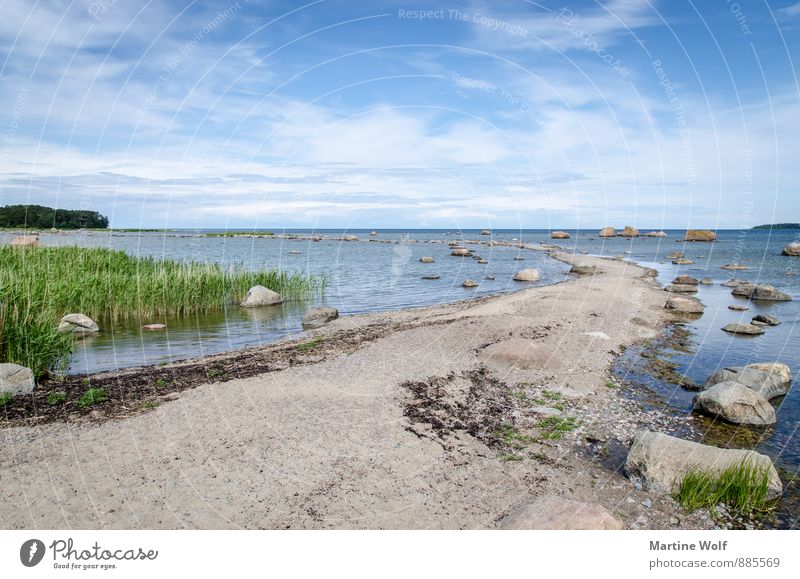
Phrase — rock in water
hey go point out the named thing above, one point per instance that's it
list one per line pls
(685, 280)
(792, 250)
(258, 296)
(431, 276)
(738, 308)
(735, 267)
(659, 462)
(699, 235)
(736, 403)
(350, 238)
(486, 232)
(154, 327)
(629, 231)
(426, 259)
(682, 261)
(746, 329)
(769, 380)
(655, 234)
(318, 317)
(608, 232)
(469, 283)
(684, 305)
(734, 282)
(559, 235)
(675, 255)
(527, 275)
(768, 293)
(553, 513)
(373, 233)
(764, 319)
(16, 379)
(78, 325)
(679, 288)
(461, 252)
(26, 241)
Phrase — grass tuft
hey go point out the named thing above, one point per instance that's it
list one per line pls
(554, 427)
(91, 397)
(5, 398)
(55, 398)
(742, 487)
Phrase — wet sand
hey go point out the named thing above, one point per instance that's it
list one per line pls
(394, 420)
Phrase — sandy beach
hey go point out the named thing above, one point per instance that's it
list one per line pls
(393, 423)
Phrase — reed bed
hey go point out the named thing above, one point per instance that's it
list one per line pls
(39, 285)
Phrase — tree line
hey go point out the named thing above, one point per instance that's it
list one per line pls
(39, 217)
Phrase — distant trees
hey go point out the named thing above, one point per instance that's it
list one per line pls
(39, 217)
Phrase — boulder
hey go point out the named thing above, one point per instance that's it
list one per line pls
(608, 232)
(78, 325)
(154, 327)
(350, 238)
(684, 305)
(16, 379)
(426, 259)
(766, 320)
(373, 233)
(490, 277)
(706, 281)
(258, 296)
(781, 370)
(26, 241)
(469, 283)
(559, 235)
(682, 261)
(675, 255)
(630, 232)
(554, 513)
(655, 234)
(738, 308)
(768, 293)
(527, 275)
(659, 462)
(482, 262)
(584, 269)
(745, 329)
(699, 235)
(318, 317)
(736, 403)
(681, 288)
(685, 280)
(792, 250)
(769, 383)
(486, 232)
(461, 252)
(735, 267)
(519, 353)
(431, 276)
(744, 289)
(733, 282)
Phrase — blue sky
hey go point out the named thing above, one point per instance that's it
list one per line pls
(403, 114)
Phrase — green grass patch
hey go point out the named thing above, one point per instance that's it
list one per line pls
(743, 488)
(510, 436)
(550, 395)
(39, 285)
(91, 397)
(511, 457)
(610, 385)
(55, 398)
(310, 345)
(554, 427)
(5, 398)
(160, 383)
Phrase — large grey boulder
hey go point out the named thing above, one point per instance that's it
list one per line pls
(527, 275)
(258, 296)
(553, 513)
(763, 319)
(78, 325)
(769, 383)
(16, 379)
(684, 305)
(461, 252)
(736, 403)
(744, 329)
(660, 462)
(781, 370)
(792, 250)
(768, 293)
(318, 317)
(681, 288)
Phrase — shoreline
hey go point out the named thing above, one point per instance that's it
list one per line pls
(404, 375)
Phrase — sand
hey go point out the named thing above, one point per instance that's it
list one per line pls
(400, 432)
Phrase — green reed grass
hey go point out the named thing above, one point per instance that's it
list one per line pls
(39, 285)
(743, 487)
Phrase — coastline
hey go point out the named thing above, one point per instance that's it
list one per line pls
(379, 421)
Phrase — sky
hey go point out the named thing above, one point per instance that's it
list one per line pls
(340, 114)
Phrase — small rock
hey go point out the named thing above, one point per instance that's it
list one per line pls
(681, 288)
(765, 319)
(461, 252)
(527, 275)
(684, 305)
(738, 308)
(318, 317)
(682, 261)
(258, 296)
(486, 232)
(426, 259)
(431, 276)
(685, 280)
(735, 267)
(647, 503)
(469, 283)
(154, 327)
(706, 281)
(490, 277)
(583, 269)
(792, 250)
(746, 329)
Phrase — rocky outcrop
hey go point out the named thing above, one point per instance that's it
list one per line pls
(736, 403)
(559, 235)
(660, 462)
(684, 305)
(655, 234)
(768, 293)
(527, 275)
(607, 232)
(685, 280)
(744, 329)
(792, 250)
(699, 235)
(426, 259)
(78, 325)
(259, 296)
(769, 380)
(350, 238)
(629, 231)
(318, 317)
(553, 513)
(681, 288)
(26, 241)
(765, 320)
(16, 379)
